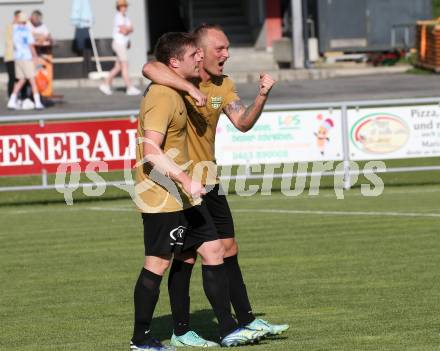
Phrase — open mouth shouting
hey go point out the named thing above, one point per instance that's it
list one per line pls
(221, 65)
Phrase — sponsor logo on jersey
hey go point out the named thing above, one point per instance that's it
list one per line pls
(216, 101)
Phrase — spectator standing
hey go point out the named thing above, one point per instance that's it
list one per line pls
(43, 46)
(122, 28)
(25, 57)
(9, 53)
(39, 29)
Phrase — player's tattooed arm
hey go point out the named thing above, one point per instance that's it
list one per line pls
(159, 73)
(235, 107)
(244, 118)
(238, 107)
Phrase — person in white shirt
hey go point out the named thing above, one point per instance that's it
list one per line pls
(8, 56)
(25, 58)
(39, 29)
(122, 28)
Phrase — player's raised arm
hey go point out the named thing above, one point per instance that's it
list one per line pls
(244, 117)
(166, 166)
(159, 73)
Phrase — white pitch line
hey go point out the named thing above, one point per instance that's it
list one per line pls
(385, 193)
(114, 209)
(67, 209)
(38, 210)
(276, 195)
(343, 213)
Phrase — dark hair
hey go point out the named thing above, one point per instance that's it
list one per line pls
(201, 30)
(173, 44)
(37, 12)
(16, 12)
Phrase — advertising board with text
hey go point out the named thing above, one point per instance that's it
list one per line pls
(31, 148)
(282, 137)
(394, 132)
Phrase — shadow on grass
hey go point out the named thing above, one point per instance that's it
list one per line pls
(203, 322)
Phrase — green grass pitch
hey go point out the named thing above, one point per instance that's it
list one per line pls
(353, 274)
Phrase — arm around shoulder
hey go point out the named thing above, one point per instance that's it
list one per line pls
(159, 73)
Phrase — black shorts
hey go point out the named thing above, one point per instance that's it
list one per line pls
(220, 212)
(175, 232)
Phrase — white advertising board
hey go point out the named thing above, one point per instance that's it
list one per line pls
(282, 137)
(394, 132)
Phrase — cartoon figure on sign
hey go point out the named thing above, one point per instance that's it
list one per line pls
(322, 135)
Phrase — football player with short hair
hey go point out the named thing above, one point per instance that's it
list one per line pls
(207, 97)
(169, 200)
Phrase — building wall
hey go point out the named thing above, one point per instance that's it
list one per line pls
(57, 17)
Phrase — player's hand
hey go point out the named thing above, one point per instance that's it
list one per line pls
(198, 96)
(195, 189)
(266, 83)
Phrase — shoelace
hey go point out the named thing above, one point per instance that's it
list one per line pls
(194, 334)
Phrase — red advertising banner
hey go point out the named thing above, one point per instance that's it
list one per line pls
(30, 148)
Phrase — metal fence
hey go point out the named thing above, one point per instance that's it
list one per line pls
(343, 106)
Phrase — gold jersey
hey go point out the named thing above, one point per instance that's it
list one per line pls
(202, 125)
(162, 110)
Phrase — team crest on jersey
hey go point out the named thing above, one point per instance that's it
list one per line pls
(216, 101)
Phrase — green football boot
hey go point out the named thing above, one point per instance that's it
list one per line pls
(192, 339)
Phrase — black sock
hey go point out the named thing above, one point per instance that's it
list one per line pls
(215, 284)
(178, 290)
(146, 295)
(238, 292)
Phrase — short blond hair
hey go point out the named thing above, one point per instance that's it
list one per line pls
(202, 29)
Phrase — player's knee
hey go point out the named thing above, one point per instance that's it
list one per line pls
(161, 267)
(212, 252)
(164, 265)
(220, 252)
(217, 251)
(157, 264)
(230, 247)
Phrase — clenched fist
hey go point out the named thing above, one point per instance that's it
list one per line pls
(266, 83)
